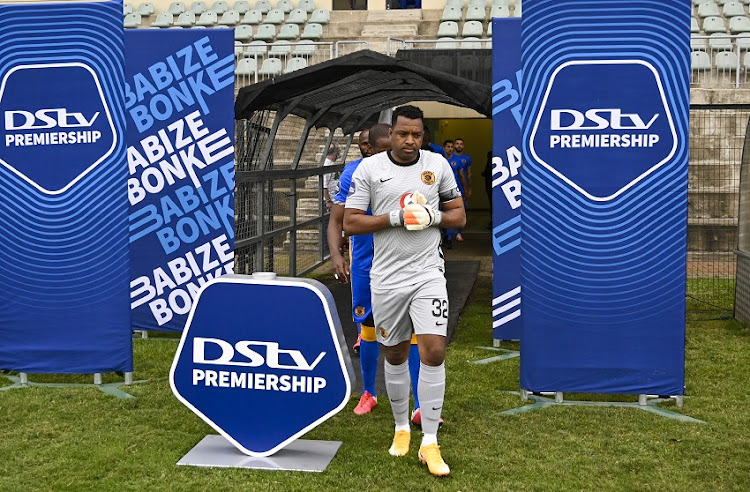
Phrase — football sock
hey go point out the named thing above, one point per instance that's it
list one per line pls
(369, 350)
(414, 372)
(397, 387)
(431, 395)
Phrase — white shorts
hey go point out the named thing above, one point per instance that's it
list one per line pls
(420, 308)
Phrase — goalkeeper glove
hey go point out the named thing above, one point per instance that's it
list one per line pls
(418, 217)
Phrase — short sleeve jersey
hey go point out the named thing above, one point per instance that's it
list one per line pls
(403, 257)
(361, 245)
(455, 164)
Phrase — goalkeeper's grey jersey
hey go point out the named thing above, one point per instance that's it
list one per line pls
(403, 257)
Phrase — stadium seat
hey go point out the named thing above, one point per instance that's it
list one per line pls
(476, 14)
(720, 42)
(713, 25)
(263, 5)
(499, 11)
(700, 61)
(127, 8)
(176, 8)
(470, 43)
(694, 25)
(321, 16)
(472, 29)
(442, 63)
(448, 29)
(220, 7)
(186, 19)
(230, 18)
(708, 9)
(517, 10)
(280, 48)
(297, 16)
(489, 29)
(165, 19)
(253, 17)
(242, 6)
(243, 33)
(274, 16)
(726, 61)
(459, 4)
(246, 66)
(306, 5)
(733, 9)
(503, 3)
(285, 6)
(312, 31)
(256, 48)
(743, 42)
(478, 3)
(265, 32)
(698, 44)
(288, 31)
(131, 21)
(451, 14)
(304, 48)
(739, 24)
(270, 66)
(296, 63)
(146, 9)
(198, 7)
(445, 44)
(208, 18)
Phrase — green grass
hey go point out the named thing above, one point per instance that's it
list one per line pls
(82, 439)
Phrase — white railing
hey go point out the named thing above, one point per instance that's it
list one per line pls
(395, 44)
(720, 60)
(346, 46)
(251, 64)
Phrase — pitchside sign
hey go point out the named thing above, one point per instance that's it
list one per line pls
(64, 246)
(506, 179)
(603, 251)
(179, 97)
(263, 361)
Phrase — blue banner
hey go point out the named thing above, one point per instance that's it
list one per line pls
(506, 182)
(64, 209)
(260, 375)
(179, 98)
(603, 254)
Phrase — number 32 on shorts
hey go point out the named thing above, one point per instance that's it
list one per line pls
(440, 308)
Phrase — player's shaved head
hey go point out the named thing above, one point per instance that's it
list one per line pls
(380, 139)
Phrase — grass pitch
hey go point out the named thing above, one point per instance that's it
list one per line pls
(82, 439)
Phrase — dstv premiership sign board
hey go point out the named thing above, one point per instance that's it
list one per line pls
(613, 113)
(263, 361)
(70, 125)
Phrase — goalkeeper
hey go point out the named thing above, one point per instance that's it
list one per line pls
(404, 188)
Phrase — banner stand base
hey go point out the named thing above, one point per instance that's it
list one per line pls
(644, 403)
(306, 455)
(109, 388)
(505, 355)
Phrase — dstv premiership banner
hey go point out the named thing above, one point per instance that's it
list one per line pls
(179, 100)
(506, 179)
(64, 246)
(604, 216)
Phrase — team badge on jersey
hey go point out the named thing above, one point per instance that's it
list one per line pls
(428, 177)
(359, 311)
(383, 332)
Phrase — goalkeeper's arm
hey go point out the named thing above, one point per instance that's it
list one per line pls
(454, 214)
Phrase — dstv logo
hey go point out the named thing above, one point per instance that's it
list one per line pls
(46, 118)
(249, 357)
(597, 119)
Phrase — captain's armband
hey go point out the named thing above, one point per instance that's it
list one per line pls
(451, 194)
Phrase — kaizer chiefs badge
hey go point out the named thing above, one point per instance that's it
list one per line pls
(428, 177)
(359, 311)
(383, 333)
